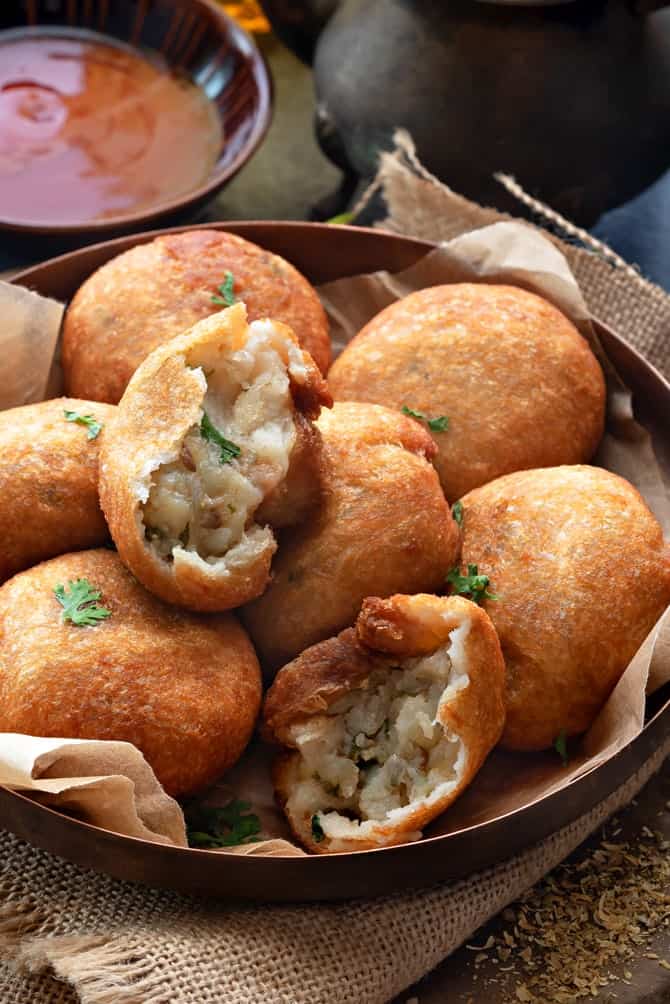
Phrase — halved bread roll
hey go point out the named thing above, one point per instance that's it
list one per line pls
(387, 723)
(211, 442)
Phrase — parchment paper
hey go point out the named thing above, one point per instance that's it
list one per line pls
(504, 252)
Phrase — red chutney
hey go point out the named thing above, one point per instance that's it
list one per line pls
(89, 130)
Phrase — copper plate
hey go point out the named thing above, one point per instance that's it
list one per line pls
(324, 253)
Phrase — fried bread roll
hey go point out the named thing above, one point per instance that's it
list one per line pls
(185, 689)
(49, 481)
(382, 526)
(212, 441)
(155, 291)
(581, 573)
(386, 724)
(518, 384)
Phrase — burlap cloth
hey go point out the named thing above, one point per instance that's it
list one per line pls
(116, 943)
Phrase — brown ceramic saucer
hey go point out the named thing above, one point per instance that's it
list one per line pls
(464, 840)
(196, 39)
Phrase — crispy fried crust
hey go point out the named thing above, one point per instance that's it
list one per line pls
(185, 689)
(417, 626)
(519, 384)
(48, 483)
(383, 526)
(155, 291)
(582, 574)
(162, 402)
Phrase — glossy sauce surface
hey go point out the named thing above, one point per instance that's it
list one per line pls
(89, 130)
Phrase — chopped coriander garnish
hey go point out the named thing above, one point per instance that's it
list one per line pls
(228, 450)
(440, 424)
(473, 586)
(341, 218)
(457, 512)
(317, 829)
(93, 427)
(561, 746)
(222, 827)
(227, 298)
(80, 605)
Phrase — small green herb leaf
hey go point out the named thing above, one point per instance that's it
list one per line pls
(440, 424)
(227, 297)
(561, 746)
(222, 827)
(341, 218)
(457, 512)
(228, 450)
(317, 830)
(93, 427)
(80, 604)
(473, 586)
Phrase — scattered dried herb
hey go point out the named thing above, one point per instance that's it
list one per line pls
(565, 939)
(457, 512)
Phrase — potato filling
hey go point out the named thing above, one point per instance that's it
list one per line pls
(380, 749)
(202, 501)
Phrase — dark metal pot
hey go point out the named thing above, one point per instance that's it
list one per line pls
(571, 98)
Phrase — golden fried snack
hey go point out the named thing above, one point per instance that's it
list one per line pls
(582, 573)
(518, 384)
(210, 443)
(49, 481)
(386, 724)
(382, 526)
(152, 292)
(107, 660)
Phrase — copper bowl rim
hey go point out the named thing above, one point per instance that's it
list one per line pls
(242, 42)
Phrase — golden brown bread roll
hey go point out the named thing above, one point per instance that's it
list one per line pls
(212, 440)
(582, 573)
(49, 481)
(382, 526)
(519, 385)
(387, 724)
(152, 292)
(185, 689)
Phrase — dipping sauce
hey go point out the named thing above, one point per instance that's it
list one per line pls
(89, 130)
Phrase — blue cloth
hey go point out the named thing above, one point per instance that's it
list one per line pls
(640, 231)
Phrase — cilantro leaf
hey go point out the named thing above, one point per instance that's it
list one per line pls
(473, 586)
(561, 746)
(80, 605)
(228, 450)
(227, 298)
(93, 427)
(440, 424)
(341, 218)
(229, 826)
(457, 512)
(317, 830)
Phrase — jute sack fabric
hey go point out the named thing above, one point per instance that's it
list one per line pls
(116, 943)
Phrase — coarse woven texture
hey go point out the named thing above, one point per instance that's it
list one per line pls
(118, 943)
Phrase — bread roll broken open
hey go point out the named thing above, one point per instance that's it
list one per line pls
(387, 723)
(211, 443)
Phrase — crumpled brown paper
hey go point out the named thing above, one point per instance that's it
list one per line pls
(517, 254)
(109, 784)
